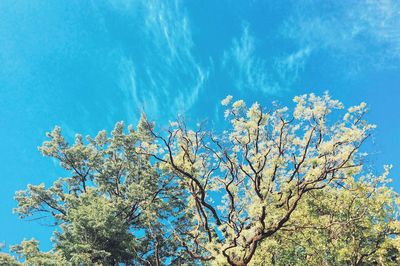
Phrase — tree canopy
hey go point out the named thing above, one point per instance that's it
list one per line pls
(275, 187)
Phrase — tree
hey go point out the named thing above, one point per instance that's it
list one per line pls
(276, 187)
(245, 186)
(112, 205)
(356, 224)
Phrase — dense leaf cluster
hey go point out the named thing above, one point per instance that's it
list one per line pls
(276, 188)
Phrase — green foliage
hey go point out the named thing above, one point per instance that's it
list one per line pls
(276, 188)
(96, 233)
(111, 192)
(29, 251)
(354, 224)
(6, 259)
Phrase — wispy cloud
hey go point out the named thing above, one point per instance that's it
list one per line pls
(160, 72)
(380, 21)
(358, 33)
(253, 72)
(128, 86)
(289, 67)
(248, 71)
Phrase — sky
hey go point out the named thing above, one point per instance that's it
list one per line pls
(84, 65)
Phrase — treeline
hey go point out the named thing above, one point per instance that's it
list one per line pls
(277, 187)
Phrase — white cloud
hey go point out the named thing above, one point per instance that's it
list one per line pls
(252, 72)
(163, 76)
(289, 67)
(380, 20)
(129, 89)
(358, 33)
(248, 71)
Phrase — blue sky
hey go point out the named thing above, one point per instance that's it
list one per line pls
(85, 65)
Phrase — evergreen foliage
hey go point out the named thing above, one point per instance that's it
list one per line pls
(276, 188)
